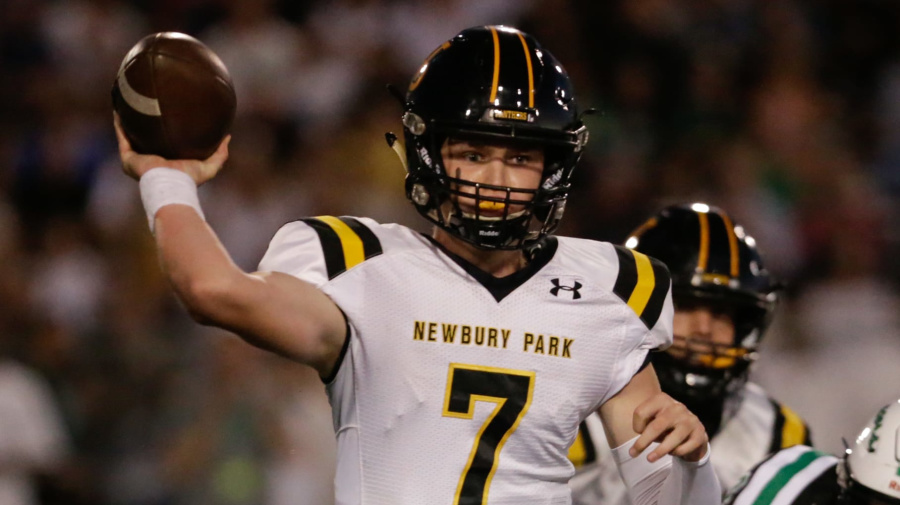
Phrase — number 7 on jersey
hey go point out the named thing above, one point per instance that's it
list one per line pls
(511, 391)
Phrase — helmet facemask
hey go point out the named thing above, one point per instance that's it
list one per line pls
(528, 214)
(706, 371)
(696, 369)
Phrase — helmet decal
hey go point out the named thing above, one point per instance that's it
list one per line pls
(496, 80)
(530, 71)
(703, 216)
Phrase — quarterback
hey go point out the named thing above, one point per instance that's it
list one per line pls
(458, 365)
(724, 298)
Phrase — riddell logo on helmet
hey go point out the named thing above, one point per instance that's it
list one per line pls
(894, 485)
(425, 157)
(516, 115)
(553, 180)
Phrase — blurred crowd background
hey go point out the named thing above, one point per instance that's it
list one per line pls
(786, 113)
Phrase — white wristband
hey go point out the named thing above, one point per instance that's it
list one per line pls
(166, 186)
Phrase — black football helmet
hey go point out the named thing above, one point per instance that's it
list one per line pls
(491, 83)
(714, 262)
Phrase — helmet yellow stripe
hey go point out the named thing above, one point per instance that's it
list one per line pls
(530, 71)
(496, 81)
(650, 223)
(732, 244)
(704, 241)
(354, 253)
(645, 283)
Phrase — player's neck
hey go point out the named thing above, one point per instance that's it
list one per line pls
(495, 262)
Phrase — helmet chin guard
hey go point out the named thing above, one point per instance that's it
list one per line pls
(497, 85)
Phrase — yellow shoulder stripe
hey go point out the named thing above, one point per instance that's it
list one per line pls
(646, 281)
(794, 431)
(350, 241)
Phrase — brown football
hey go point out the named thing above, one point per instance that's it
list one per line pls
(174, 97)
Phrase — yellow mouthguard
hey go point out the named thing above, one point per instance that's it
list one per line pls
(491, 205)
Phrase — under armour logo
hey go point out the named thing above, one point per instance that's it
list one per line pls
(557, 287)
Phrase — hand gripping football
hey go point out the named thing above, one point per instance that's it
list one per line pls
(174, 97)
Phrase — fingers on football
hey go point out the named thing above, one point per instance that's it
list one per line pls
(125, 152)
(124, 145)
(214, 163)
(218, 158)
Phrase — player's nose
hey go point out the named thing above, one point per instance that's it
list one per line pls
(702, 319)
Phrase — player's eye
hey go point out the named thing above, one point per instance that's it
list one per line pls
(472, 156)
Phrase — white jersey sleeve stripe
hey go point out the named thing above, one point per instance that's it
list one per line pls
(765, 473)
(799, 481)
(780, 479)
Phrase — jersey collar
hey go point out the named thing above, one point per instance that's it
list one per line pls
(499, 287)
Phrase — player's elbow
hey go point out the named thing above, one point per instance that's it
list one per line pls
(210, 301)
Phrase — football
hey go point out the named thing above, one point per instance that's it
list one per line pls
(174, 97)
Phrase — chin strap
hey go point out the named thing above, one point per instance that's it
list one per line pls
(397, 148)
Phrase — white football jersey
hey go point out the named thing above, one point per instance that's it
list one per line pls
(456, 387)
(758, 427)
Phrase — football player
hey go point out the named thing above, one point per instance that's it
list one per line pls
(867, 474)
(458, 365)
(724, 298)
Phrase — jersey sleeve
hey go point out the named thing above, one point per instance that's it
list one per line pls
(296, 250)
(319, 249)
(644, 284)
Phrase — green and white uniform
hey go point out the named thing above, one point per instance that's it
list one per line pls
(798, 475)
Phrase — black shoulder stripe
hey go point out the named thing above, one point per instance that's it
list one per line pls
(346, 242)
(823, 489)
(777, 429)
(642, 283)
(658, 296)
(627, 279)
(371, 244)
(331, 247)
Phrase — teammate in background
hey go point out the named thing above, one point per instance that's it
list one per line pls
(724, 298)
(458, 365)
(867, 474)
